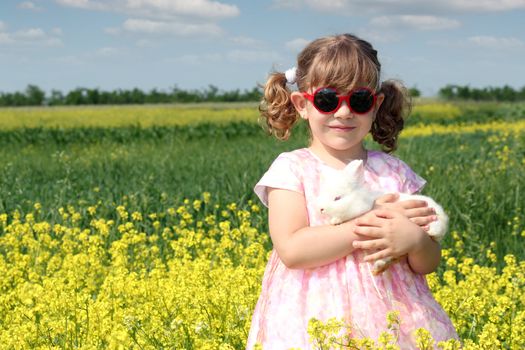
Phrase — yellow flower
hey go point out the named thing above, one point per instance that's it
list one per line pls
(92, 210)
(451, 262)
(424, 340)
(192, 279)
(3, 219)
(197, 204)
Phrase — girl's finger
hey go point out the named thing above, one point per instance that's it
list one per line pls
(382, 254)
(387, 198)
(373, 244)
(384, 213)
(415, 212)
(424, 221)
(375, 218)
(413, 203)
(369, 231)
(369, 220)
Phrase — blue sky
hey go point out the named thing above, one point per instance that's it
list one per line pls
(64, 44)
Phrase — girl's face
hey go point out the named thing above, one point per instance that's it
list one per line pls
(339, 133)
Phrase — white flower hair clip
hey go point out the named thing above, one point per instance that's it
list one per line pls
(291, 75)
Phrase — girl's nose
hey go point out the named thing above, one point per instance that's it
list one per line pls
(344, 111)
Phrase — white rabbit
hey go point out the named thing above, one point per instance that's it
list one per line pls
(346, 196)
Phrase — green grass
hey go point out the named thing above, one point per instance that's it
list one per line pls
(471, 175)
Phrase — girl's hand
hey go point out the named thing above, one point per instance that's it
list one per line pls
(416, 210)
(388, 234)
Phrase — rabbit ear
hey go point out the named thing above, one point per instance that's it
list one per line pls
(354, 168)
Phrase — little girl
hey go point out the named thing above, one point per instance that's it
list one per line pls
(320, 270)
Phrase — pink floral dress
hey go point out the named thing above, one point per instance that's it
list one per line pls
(345, 288)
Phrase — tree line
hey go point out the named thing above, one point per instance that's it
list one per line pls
(34, 96)
(505, 93)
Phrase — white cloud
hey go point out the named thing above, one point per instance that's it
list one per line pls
(52, 42)
(5, 39)
(381, 36)
(414, 22)
(427, 7)
(173, 17)
(496, 43)
(91, 57)
(107, 52)
(296, 45)
(486, 5)
(193, 59)
(159, 9)
(28, 37)
(28, 5)
(30, 34)
(84, 4)
(144, 43)
(196, 8)
(334, 5)
(489, 44)
(57, 31)
(327, 6)
(173, 28)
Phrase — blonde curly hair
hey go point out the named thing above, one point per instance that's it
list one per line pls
(341, 61)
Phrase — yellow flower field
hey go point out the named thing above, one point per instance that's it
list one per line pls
(188, 278)
(434, 110)
(165, 115)
(118, 116)
(114, 266)
(436, 129)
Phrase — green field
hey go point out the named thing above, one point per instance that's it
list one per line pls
(69, 167)
(476, 175)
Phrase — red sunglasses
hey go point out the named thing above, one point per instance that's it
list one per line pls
(326, 100)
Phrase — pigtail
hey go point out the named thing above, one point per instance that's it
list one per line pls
(390, 118)
(278, 114)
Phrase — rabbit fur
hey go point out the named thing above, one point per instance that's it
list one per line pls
(346, 196)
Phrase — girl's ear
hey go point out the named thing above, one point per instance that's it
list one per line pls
(379, 100)
(299, 103)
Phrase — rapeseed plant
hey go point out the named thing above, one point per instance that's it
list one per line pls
(112, 275)
(121, 116)
(188, 278)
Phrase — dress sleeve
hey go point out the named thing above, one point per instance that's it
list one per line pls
(410, 181)
(284, 173)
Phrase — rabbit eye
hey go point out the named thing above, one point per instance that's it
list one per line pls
(337, 198)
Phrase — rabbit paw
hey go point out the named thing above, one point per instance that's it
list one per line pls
(437, 231)
(381, 265)
(335, 221)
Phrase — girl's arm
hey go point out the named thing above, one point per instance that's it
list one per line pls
(393, 235)
(302, 246)
(297, 244)
(425, 259)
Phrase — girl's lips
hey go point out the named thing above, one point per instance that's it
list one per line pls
(342, 128)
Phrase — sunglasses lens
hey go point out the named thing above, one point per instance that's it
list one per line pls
(326, 100)
(361, 100)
